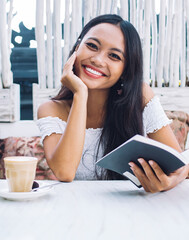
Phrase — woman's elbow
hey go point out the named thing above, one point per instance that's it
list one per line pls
(64, 173)
(65, 177)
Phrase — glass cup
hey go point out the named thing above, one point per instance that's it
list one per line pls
(20, 172)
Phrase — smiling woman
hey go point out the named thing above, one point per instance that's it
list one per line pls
(99, 62)
(102, 103)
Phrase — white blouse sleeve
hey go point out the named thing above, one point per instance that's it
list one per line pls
(154, 117)
(49, 125)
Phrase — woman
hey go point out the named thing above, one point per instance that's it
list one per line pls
(102, 103)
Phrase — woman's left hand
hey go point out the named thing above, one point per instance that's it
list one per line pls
(157, 181)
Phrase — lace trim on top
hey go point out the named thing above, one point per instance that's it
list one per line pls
(154, 117)
(49, 125)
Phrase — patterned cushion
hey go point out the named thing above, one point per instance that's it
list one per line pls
(25, 146)
(180, 126)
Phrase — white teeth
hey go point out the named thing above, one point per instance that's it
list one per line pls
(93, 71)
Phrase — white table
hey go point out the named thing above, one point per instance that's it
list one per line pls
(98, 210)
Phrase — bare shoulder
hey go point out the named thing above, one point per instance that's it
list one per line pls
(54, 109)
(148, 93)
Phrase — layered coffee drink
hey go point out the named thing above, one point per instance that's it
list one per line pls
(20, 172)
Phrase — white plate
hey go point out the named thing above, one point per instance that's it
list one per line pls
(23, 196)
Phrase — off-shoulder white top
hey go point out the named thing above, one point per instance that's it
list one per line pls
(154, 118)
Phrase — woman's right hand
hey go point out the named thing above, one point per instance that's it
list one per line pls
(69, 79)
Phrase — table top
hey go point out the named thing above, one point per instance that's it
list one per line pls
(97, 210)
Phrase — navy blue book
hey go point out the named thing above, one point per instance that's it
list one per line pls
(142, 147)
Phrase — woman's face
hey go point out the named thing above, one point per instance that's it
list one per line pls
(101, 56)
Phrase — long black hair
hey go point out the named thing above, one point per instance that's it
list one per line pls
(123, 117)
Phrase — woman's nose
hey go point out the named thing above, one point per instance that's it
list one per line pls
(98, 59)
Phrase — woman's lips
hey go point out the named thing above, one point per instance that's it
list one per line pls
(93, 72)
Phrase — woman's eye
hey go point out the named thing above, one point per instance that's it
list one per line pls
(115, 56)
(92, 45)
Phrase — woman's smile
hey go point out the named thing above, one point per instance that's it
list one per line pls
(93, 72)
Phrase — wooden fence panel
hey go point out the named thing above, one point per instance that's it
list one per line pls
(7, 78)
(40, 34)
(124, 9)
(10, 103)
(161, 44)
(49, 45)
(154, 44)
(146, 41)
(41, 95)
(187, 40)
(88, 10)
(172, 53)
(57, 43)
(9, 92)
(183, 46)
(1, 81)
(66, 32)
(132, 11)
(167, 47)
(163, 55)
(178, 11)
(114, 7)
(165, 40)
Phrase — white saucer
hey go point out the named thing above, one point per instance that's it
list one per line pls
(23, 196)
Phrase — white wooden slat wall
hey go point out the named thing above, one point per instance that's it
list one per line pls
(124, 9)
(40, 38)
(9, 92)
(177, 42)
(10, 103)
(66, 31)
(146, 40)
(187, 50)
(1, 81)
(168, 37)
(49, 44)
(5, 36)
(57, 43)
(154, 43)
(183, 45)
(9, 21)
(161, 46)
(165, 48)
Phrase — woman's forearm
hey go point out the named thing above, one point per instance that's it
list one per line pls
(66, 156)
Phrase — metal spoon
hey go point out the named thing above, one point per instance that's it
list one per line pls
(36, 188)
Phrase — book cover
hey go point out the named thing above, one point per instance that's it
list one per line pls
(141, 147)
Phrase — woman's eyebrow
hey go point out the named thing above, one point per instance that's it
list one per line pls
(95, 39)
(113, 49)
(118, 50)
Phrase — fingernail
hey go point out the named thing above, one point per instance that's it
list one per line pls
(131, 164)
(140, 160)
(151, 162)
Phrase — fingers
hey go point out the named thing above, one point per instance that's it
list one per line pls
(70, 79)
(152, 178)
(70, 62)
(68, 69)
(140, 175)
(152, 167)
(158, 171)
